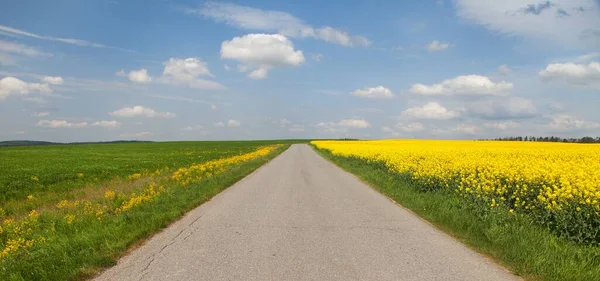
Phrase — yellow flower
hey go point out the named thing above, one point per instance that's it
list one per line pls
(109, 194)
(69, 218)
(30, 197)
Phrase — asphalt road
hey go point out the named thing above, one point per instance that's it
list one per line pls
(301, 218)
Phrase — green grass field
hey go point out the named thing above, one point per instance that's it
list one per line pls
(514, 241)
(70, 210)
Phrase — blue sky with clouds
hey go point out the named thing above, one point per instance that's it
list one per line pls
(192, 70)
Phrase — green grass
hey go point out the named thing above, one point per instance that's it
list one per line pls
(514, 241)
(80, 249)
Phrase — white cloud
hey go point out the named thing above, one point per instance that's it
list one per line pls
(578, 74)
(219, 124)
(275, 21)
(20, 49)
(41, 114)
(106, 124)
(565, 23)
(354, 123)
(466, 129)
(504, 70)
(14, 86)
(259, 73)
(187, 72)
(261, 52)
(378, 92)
(213, 107)
(53, 80)
(317, 57)
(140, 111)
(61, 124)
(139, 76)
(192, 128)
(565, 122)
(464, 85)
(436, 45)
(136, 135)
(411, 127)
(233, 123)
(431, 110)
(503, 108)
(343, 125)
(502, 125)
(18, 33)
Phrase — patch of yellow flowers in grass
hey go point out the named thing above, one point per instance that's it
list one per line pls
(19, 235)
(197, 172)
(558, 183)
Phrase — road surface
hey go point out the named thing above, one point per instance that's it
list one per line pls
(300, 217)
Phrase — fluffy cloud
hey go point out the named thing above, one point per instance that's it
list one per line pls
(504, 69)
(60, 124)
(275, 21)
(431, 110)
(464, 85)
(233, 123)
(565, 122)
(53, 80)
(578, 74)
(463, 128)
(213, 107)
(178, 72)
(219, 124)
(411, 127)
(566, 23)
(261, 52)
(343, 125)
(106, 124)
(14, 86)
(140, 111)
(436, 45)
(502, 125)
(192, 128)
(378, 92)
(503, 108)
(136, 135)
(139, 76)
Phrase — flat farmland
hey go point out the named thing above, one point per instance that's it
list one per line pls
(76, 208)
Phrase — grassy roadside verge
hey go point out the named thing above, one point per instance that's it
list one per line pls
(512, 240)
(78, 247)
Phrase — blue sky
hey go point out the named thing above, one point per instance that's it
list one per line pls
(195, 70)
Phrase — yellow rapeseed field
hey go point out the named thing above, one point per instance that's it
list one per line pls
(552, 180)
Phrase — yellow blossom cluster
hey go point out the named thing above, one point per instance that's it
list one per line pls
(18, 235)
(524, 176)
(197, 172)
(146, 195)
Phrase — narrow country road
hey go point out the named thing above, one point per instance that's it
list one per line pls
(301, 218)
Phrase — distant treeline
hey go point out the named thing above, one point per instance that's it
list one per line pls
(550, 139)
(32, 143)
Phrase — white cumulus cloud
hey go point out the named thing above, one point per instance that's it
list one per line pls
(53, 80)
(139, 76)
(140, 111)
(233, 123)
(436, 45)
(504, 69)
(14, 86)
(61, 124)
(378, 92)
(431, 110)
(565, 122)
(464, 85)
(411, 127)
(261, 52)
(188, 72)
(502, 125)
(572, 73)
(503, 108)
(106, 124)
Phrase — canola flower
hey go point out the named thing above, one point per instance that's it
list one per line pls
(556, 182)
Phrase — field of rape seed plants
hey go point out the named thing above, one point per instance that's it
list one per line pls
(67, 211)
(533, 206)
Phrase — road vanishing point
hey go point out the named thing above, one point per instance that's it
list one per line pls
(299, 217)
